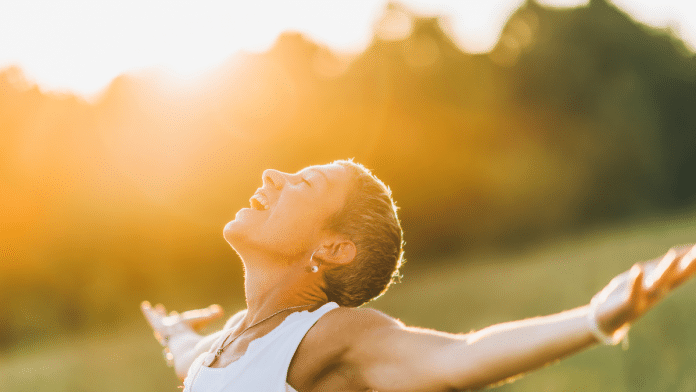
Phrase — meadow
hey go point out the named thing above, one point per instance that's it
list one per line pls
(456, 294)
(578, 116)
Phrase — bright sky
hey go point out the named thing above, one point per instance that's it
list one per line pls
(80, 45)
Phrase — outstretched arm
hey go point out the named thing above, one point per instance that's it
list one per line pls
(392, 357)
(389, 356)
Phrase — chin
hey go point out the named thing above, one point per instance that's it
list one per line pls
(233, 231)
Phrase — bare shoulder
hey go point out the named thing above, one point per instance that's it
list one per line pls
(341, 328)
(358, 320)
(334, 336)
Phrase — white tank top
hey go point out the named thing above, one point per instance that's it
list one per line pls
(264, 365)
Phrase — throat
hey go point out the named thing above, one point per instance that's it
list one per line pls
(271, 290)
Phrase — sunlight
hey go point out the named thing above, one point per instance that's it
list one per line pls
(80, 45)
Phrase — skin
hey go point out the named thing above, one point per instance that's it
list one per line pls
(355, 349)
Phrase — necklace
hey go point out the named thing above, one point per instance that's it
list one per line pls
(211, 357)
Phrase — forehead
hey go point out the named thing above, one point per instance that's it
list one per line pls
(333, 181)
(332, 172)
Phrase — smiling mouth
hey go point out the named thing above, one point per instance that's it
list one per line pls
(259, 202)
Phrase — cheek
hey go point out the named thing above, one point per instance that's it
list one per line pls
(296, 230)
(298, 225)
(287, 240)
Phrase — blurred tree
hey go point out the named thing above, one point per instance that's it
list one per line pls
(577, 116)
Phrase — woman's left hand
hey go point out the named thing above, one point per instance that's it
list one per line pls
(165, 325)
(632, 293)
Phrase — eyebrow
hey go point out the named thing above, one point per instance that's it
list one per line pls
(320, 172)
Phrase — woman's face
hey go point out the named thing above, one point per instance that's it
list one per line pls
(287, 215)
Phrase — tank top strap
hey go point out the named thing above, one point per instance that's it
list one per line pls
(264, 365)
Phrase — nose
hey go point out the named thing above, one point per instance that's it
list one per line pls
(274, 178)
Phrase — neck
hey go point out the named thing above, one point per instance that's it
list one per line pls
(272, 285)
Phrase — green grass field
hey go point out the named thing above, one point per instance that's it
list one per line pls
(454, 295)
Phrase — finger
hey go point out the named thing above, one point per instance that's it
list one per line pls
(209, 313)
(687, 265)
(153, 318)
(152, 315)
(198, 312)
(199, 319)
(661, 270)
(160, 309)
(636, 279)
(171, 319)
(146, 308)
(215, 308)
(670, 273)
(687, 261)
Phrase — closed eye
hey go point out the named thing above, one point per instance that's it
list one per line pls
(307, 182)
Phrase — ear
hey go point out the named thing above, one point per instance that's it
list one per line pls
(339, 250)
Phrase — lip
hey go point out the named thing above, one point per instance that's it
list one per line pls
(261, 192)
(263, 195)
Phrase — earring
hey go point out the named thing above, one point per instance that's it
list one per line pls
(315, 268)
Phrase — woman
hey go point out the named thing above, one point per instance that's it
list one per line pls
(321, 242)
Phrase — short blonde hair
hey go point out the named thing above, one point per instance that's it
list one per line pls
(369, 219)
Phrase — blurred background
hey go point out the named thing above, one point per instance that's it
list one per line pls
(533, 157)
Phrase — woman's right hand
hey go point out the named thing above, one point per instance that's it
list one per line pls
(632, 293)
(165, 326)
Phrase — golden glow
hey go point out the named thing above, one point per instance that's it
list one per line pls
(108, 202)
(82, 45)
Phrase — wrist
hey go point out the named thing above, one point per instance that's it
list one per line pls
(173, 336)
(612, 339)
